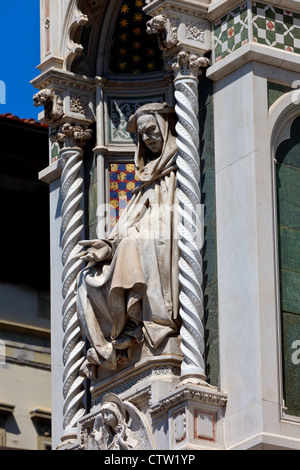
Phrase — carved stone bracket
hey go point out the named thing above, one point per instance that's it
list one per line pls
(166, 31)
(52, 102)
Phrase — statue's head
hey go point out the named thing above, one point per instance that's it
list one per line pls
(111, 415)
(154, 125)
(112, 411)
(149, 130)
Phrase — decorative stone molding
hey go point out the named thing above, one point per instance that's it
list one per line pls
(52, 102)
(195, 32)
(79, 104)
(74, 49)
(179, 419)
(150, 374)
(166, 30)
(209, 396)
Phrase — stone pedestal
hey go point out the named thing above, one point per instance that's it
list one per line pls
(155, 369)
(169, 414)
(193, 417)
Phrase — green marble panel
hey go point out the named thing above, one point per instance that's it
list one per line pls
(289, 245)
(290, 291)
(289, 215)
(275, 91)
(288, 203)
(291, 364)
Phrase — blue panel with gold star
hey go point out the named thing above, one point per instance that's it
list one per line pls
(133, 50)
(122, 181)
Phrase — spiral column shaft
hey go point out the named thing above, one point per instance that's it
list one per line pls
(73, 345)
(72, 139)
(187, 68)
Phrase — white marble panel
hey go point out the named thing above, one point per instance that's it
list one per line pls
(240, 355)
(56, 313)
(233, 116)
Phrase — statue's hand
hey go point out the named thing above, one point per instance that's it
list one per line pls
(98, 251)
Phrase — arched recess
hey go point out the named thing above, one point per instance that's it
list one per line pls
(285, 149)
(118, 94)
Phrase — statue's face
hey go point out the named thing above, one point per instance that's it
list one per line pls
(110, 419)
(149, 130)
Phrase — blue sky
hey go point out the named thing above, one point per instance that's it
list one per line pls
(19, 55)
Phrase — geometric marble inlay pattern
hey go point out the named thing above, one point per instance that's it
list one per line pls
(231, 32)
(276, 27)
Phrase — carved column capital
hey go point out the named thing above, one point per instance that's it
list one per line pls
(186, 64)
(73, 135)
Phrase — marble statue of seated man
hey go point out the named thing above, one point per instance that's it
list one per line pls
(128, 293)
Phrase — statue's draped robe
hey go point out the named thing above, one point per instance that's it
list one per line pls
(135, 293)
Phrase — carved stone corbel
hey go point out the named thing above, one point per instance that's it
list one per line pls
(52, 102)
(165, 30)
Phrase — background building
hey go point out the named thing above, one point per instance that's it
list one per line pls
(237, 63)
(25, 365)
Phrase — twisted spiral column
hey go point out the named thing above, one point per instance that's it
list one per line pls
(187, 68)
(72, 227)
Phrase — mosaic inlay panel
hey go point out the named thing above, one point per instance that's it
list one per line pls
(231, 32)
(122, 181)
(276, 27)
(120, 110)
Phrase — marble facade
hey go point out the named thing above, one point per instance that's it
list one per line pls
(235, 65)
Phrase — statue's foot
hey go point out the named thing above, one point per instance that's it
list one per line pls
(92, 356)
(123, 342)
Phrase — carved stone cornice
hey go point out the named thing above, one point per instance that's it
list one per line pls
(71, 136)
(207, 395)
(65, 96)
(177, 31)
(192, 7)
